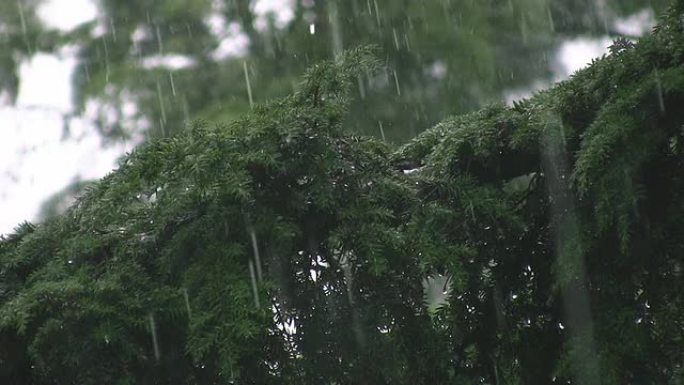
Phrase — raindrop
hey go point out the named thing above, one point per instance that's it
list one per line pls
(523, 29)
(561, 326)
(335, 29)
(249, 85)
(312, 28)
(396, 82)
(162, 119)
(112, 27)
(382, 131)
(187, 302)
(255, 292)
(255, 248)
(173, 84)
(186, 111)
(22, 19)
(86, 69)
(155, 343)
(160, 45)
(396, 39)
(552, 24)
(362, 87)
(377, 12)
(659, 90)
(106, 52)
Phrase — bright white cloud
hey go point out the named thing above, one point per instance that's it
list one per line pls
(282, 12)
(216, 23)
(575, 54)
(235, 44)
(67, 14)
(35, 161)
(46, 81)
(171, 62)
(637, 24)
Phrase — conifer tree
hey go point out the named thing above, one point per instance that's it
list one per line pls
(279, 249)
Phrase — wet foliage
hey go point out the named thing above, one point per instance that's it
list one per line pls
(280, 249)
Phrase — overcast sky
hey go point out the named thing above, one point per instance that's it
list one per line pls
(36, 161)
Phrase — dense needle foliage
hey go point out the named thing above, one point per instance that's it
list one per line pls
(281, 250)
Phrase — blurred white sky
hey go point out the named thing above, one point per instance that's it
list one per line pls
(67, 14)
(36, 162)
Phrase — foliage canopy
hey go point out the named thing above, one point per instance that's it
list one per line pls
(279, 249)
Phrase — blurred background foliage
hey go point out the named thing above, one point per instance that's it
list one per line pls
(155, 65)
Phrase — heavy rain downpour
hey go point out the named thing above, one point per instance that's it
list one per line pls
(341, 192)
